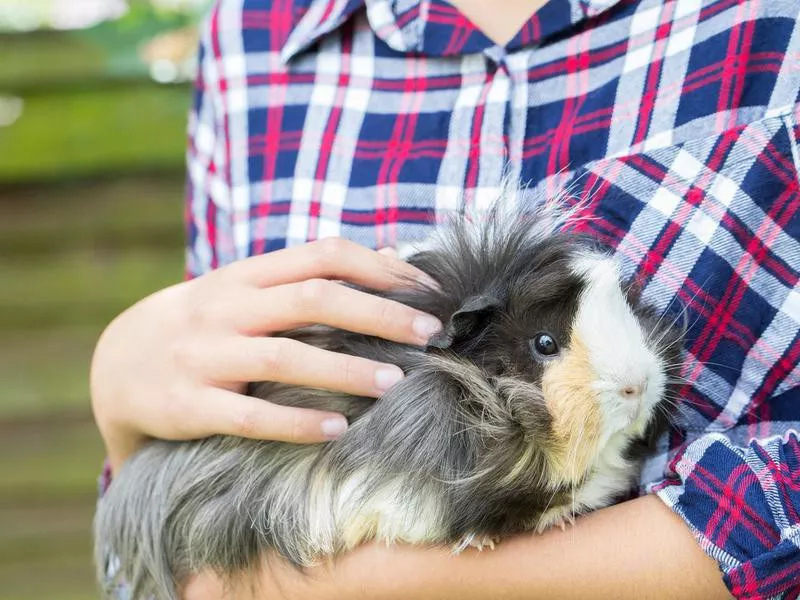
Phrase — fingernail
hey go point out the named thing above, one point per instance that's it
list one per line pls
(387, 377)
(333, 428)
(425, 326)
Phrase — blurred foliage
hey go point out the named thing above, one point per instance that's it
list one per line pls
(30, 15)
(88, 103)
(90, 288)
(90, 132)
(49, 60)
(144, 20)
(110, 49)
(47, 497)
(91, 206)
(121, 40)
(72, 257)
(120, 214)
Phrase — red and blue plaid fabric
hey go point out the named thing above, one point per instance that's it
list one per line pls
(677, 120)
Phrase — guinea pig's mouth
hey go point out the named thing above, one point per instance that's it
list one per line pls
(629, 406)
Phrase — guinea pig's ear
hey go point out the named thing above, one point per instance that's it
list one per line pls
(470, 317)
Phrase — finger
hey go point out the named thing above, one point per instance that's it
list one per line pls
(389, 251)
(329, 303)
(330, 258)
(289, 361)
(230, 413)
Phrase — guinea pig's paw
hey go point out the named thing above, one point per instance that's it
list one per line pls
(555, 517)
(473, 540)
(564, 522)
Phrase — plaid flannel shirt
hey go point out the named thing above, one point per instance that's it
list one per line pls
(369, 119)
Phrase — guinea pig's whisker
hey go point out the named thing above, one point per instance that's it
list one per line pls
(571, 456)
(684, 401)
(573, 510)
(679, 316)
(672, 415)
(716, 364)
(678, 379)
(667, 330)
(669, 417)
(672, 401)
(676, 376)
(661, 318)
(583, 202)
(684, 381)
(677, 398)
(680, 401)
(678, 364)
(676, 342)
(693, 299)
(687, 325)
(671, 392)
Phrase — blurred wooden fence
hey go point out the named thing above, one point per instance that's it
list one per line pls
(91, 192)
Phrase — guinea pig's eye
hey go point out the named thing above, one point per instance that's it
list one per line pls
(544, 344)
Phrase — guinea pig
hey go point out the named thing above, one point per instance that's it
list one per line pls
(535, 403)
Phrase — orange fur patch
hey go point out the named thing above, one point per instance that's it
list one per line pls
(359, 529)
(575, 409)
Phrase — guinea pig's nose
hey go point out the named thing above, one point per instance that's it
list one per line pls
(631, 392)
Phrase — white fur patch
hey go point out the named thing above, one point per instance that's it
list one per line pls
(388, 515)
(611, 475)
(617, 347)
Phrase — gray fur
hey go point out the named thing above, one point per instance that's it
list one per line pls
(444, 445)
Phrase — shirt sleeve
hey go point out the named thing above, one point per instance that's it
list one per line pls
(743, 506)
(208, 190)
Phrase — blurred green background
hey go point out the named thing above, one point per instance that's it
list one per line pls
(93, 104)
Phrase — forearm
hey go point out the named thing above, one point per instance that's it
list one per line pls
(636, 550)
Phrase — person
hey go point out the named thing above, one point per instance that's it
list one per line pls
(323, 130)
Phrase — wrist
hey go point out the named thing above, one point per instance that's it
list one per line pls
(120, 447)
(106, 401)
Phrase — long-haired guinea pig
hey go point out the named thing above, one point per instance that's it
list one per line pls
(532, 405)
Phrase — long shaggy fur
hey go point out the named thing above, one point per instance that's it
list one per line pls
(455, 453)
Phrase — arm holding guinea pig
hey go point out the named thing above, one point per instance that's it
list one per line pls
(635, 550)
(631, 551)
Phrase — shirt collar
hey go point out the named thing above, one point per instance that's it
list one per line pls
(432, 27)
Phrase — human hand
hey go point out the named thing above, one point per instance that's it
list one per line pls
(175, 365)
